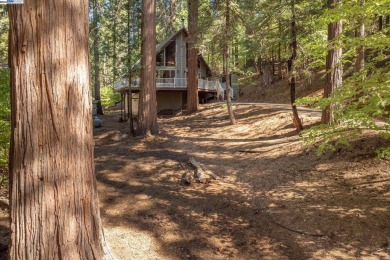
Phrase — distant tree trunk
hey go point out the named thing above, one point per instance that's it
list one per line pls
(387, 19)
(280, 51)
(259, 65)
(114, 41)
(359, 65)
(226, 59)
(192, 90)
(172, 14)
(54, 209)
(96, 28)
(296, 120)
(147, 111)
(334, 70)
(236, 54)
(130, 94)
(380, 23)
(272, 64)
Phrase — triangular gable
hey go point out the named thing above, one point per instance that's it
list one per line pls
(163, 44)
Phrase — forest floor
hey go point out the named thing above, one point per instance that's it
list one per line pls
(276, 199)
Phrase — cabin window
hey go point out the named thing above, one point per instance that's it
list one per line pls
(170, 55)
(160, 59)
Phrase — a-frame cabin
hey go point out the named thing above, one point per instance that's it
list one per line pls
(171, 80)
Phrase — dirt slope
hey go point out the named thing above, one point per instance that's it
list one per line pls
(278, 92)
(276, 198)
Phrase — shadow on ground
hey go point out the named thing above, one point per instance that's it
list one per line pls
(275, 198)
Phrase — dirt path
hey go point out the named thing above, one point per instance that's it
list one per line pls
(276, 198)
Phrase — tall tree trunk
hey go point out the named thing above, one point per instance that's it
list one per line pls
(334, 69)
(54, 208)
(172, 14)
(192, 90)
(226, 59)
(114, 40)
(280, 51)
(96, 29)
(296, 120)
(129, 47)
(147, 112)
(236, 54)
(359, 65)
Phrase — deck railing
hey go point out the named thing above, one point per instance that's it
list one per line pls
(174, 83)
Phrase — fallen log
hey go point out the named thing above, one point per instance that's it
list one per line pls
(201, 168)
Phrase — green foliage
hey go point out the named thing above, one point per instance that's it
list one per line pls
(384, 153)
(109, 97)
(3, 34)
(359, 106)
(362, 103)
(5, 112)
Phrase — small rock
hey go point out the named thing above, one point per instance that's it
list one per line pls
(186, 179)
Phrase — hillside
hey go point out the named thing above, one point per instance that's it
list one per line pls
(279, 91)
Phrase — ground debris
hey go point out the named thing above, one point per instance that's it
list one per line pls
(186, 179)
(201, 169)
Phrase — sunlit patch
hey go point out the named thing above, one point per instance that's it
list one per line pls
(127, 243)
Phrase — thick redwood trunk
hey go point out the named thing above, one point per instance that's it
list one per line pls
(334, 67)
(192, 90)
(147, 112)
(226, 60)
(54, 206)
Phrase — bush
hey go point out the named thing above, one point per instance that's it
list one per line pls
(5, 112)
(109, 98)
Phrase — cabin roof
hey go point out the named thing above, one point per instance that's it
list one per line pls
(163, 44)
(166, 42)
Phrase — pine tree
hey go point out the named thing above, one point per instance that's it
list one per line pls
(334, 70)
(147, 111)
(192, 90)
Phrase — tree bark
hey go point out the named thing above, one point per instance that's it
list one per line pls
(226, 60)
(96, 57)
(54, 208)
(172, 14)
(114, 40)
(129, 47)
(192, 90)
(280, 51)
(334, 76)
(296, 120)
(147, 112)
(359, 65)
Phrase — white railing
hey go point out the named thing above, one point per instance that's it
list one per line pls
(207, 84)
(179, 83)
(164, 83)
